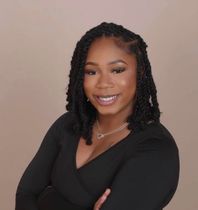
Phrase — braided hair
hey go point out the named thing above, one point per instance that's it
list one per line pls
(146, 107)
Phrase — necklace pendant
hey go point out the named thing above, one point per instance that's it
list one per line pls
(100, 135)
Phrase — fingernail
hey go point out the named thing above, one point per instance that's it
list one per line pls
(108, 190)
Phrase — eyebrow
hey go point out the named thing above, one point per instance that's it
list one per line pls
(112, 62)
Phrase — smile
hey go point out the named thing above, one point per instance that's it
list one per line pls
(106, 100)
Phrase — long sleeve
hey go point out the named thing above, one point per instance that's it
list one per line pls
(37, 175)
(148, 180)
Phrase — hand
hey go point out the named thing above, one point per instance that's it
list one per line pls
(102, 199)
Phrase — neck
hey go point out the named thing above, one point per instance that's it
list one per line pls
(112, 121)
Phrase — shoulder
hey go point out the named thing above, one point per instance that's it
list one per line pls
(63, 122)
(157, 141)
(64, 118)
(156, 150)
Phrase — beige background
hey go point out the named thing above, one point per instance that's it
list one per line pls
(37, 39)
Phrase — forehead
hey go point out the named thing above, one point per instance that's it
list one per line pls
(108, 48)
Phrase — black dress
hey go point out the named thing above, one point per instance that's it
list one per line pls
(142, 171)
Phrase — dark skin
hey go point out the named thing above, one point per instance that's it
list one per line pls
(109, 70)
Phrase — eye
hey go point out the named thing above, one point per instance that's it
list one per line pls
(118, 70)
(89, 72)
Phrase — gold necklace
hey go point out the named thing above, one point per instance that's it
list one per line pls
(100, 135)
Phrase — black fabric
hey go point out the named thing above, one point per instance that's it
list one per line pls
(142, 171)
(50, 199)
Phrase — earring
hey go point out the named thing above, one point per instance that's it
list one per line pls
(87, 99)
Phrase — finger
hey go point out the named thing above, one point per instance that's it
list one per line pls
(107, 191)
(104, 196)
(101, 200)
(98, 203)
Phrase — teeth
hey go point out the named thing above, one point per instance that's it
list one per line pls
(106, 98)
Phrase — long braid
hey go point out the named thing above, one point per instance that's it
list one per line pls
(146, 107)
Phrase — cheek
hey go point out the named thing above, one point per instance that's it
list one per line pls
(128, 83)
(88, 85)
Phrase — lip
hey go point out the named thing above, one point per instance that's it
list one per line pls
(106, 103)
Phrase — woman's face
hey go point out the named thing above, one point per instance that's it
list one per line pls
(110, 77)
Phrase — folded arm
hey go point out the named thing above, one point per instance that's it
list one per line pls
(148, 180)
(37, 175)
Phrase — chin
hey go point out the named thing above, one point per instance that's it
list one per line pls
(107, 111)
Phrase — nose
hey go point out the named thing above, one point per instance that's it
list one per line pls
(104, 81)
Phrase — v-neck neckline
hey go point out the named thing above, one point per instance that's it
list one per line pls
(120, 142)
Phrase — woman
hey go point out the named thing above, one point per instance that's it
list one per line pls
(109, 151)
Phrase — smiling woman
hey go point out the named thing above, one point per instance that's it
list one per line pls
(109, 151)
(110, 79)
